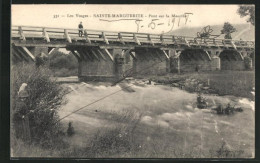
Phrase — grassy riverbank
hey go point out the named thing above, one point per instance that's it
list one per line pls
(237, 83)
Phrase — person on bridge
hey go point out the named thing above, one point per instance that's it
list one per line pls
(80, 29)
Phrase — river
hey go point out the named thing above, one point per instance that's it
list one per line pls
(171, 108)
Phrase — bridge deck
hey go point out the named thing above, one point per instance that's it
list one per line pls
(59, 37)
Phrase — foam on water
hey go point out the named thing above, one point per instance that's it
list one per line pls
(168, 107)
(247, 102)
(163, 124)
(158, 98)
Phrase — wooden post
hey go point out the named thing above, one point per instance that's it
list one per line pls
(150, 39)
(45, 35)
(186, 41)
(233, 44)
(224, 43)
(86, 36)
(22, 37)
(161, 39)
(104, 37)
(67, 36)
(121, 38)
(174, 40)
(215, 43)
(136, 39)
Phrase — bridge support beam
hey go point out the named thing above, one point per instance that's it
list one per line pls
(38, 50)
(30, 53)
(20, 54)
(129, 56)
(248, 57)
(174, 61)
(215, 60)
(151, 61)
(96, 64)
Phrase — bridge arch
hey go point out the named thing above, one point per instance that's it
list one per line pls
(230, 55)
(194, 60)
(231, 60)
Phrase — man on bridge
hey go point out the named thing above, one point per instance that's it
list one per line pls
(80, 29)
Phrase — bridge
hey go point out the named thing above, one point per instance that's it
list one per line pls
(107, 55)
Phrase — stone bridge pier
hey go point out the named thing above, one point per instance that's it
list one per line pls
(97, 64)
(235, 60)
(191, 60)
(151, 61)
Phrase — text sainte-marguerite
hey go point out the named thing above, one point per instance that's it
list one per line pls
(118, 15)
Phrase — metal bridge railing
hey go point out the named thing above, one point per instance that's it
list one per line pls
(27, 32)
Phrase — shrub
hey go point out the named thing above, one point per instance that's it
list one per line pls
(62, 64)
(227, 110)
(45, 98)
(116, 141)
(225, 152)
(20, 148)
(248, 63)
(60, 60)
(111, 141)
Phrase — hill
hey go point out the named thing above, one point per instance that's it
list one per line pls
(244, 31)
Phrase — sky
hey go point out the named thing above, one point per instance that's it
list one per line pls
(148, 18)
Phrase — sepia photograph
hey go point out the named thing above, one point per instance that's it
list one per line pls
(93, 81)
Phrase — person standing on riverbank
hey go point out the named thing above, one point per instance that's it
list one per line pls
(20, 117)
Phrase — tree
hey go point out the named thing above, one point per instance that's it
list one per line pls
(41, 107)
(41, 59)
(59, 60)
(247, 10)
(227, 30)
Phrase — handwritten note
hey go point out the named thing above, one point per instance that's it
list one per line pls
(168, 21)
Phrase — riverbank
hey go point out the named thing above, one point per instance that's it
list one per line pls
(150, 121)
(236, 83)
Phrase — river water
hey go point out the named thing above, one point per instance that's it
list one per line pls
(168, 107)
